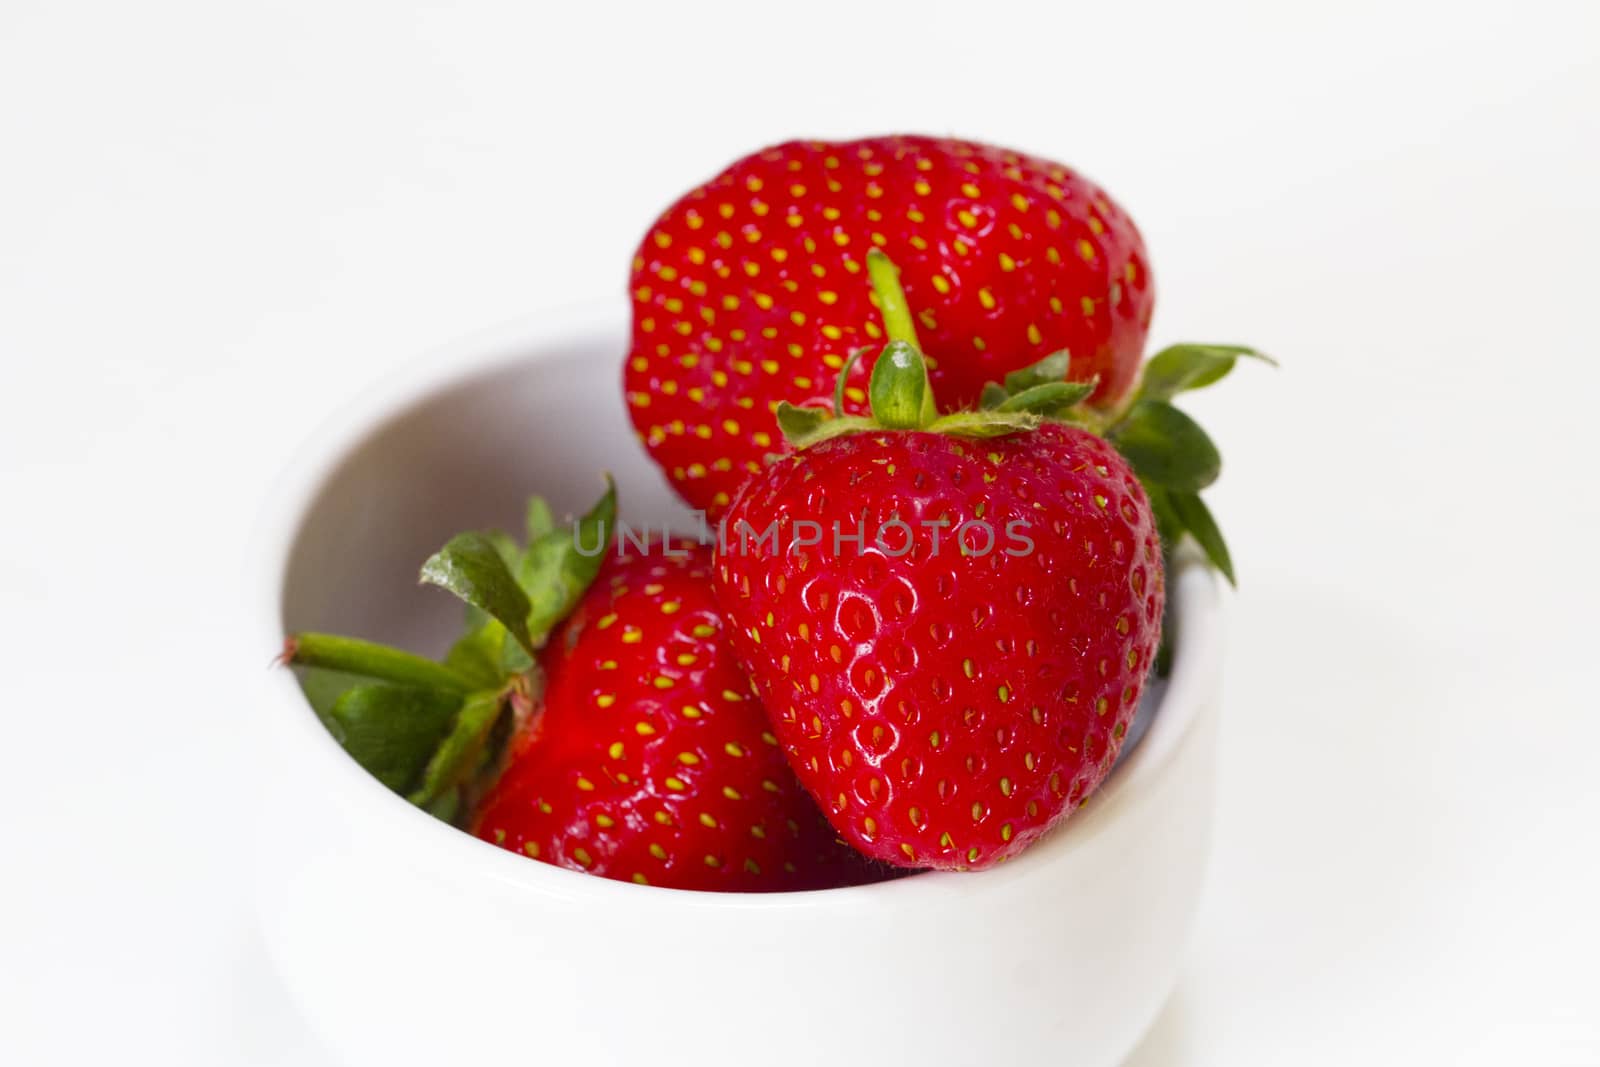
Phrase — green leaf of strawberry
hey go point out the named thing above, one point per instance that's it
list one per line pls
(1167, 447)
(1172, 455)
(432, 731)
(392, 730)
(1048, 398)
(472, 567)
(456, 758)
(486, 653)
(560, 563)
(800, 422)
(538, 521)
(1191, 366)
(1168, 525)
(1193, 515)
(1052, 368)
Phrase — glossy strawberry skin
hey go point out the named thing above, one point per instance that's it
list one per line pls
(650, 759)
(947, 709)
(751, 289)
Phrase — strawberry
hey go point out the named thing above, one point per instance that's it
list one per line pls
(947, 707)
(593, 716)
(747, 290)
(950, 618)
(651, 759)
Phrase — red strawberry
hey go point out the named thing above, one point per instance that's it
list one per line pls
(627, 744)
(948, 708)
(959, 675)
(950, 618)
(749, 289)
(651, 758)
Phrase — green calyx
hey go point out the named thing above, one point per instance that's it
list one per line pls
(1173, 457)
(1171, 454)
(436, 731)
(899, 395)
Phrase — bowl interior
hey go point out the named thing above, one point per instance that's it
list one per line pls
(461, 446)
(466, 455)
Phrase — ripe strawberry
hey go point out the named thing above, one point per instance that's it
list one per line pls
(628, 744)
(947, 707)
(748, 289)
(950, 618)
(651, 758)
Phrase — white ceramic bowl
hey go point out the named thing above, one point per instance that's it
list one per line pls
(406, 941)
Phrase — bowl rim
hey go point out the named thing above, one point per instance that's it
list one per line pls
(1196, 662)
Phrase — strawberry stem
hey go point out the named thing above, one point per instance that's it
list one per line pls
(370, 660)
(897, 320)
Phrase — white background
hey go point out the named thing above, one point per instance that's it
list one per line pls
(219, 222)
